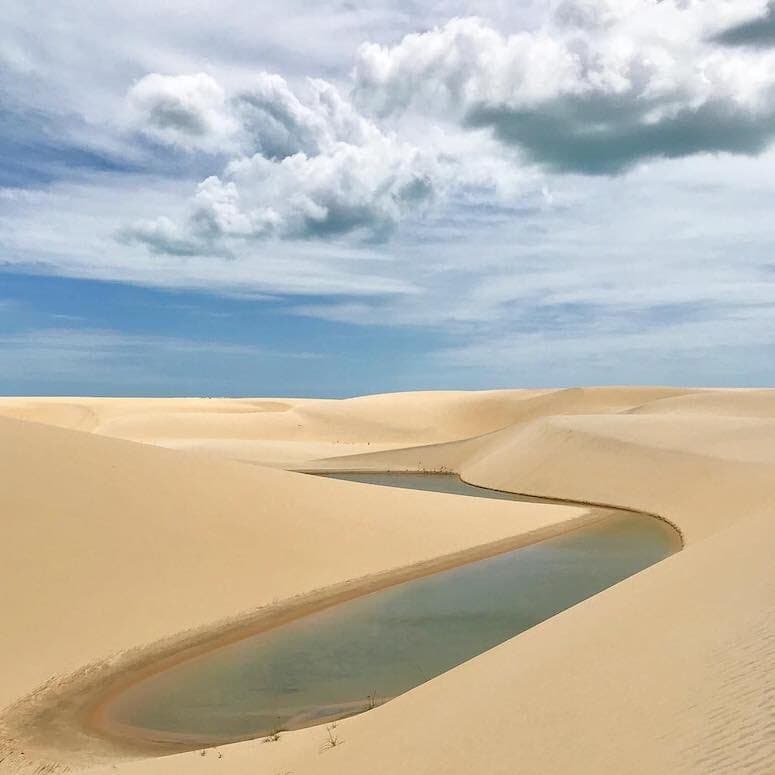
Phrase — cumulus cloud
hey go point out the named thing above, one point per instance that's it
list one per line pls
(188, 111)
(309, 165)
(277, 123)
(597, 88)
(161, 235)
(194, 113)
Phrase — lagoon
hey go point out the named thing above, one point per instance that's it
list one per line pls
(347, 658)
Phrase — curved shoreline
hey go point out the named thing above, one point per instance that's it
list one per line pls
(64, 712)
(96, 717)
(550, 500)
(92, 717)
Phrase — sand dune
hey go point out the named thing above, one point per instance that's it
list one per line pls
(728, 403)
(112, 546)
(290, 431)
(618, 460)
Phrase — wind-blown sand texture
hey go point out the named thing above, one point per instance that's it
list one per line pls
(114, 551)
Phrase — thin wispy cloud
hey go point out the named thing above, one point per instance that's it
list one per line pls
(468, 168)
(51, 359)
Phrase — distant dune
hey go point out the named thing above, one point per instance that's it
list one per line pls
(115, 552)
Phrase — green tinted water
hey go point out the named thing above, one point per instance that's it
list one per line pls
(341, 660)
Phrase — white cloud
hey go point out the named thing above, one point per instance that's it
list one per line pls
(597, 88)
(278, 123)
(262, 115)
(69, 230)
(184, 110)
(259, 185)
(311, 166)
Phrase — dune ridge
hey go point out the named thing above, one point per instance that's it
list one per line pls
(672, 670)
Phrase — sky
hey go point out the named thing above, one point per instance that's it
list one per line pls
(334, 198)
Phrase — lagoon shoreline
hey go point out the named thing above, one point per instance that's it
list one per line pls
(107, 716)
(95, 717)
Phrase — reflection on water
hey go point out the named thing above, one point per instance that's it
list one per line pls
(342, 660)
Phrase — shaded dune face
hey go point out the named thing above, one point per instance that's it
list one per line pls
(715, 403)
(140, 544)
(60, 413)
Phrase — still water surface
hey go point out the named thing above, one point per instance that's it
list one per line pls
(344, 659)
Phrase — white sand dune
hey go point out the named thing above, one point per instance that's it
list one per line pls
(112, 546)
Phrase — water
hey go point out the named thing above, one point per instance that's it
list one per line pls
(344, 659)
(449, 483)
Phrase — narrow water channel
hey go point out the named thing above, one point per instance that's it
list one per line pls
(347, 658)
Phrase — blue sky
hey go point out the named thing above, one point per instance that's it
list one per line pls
(333, 199)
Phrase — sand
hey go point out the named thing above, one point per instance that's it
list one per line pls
(115, 552)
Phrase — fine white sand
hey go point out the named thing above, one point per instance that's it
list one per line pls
(111, 548)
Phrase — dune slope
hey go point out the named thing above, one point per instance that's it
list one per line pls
(110, 546)
(669, 671)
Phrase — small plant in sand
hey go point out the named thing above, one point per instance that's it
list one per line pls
(371, 701)
(333, 738)
(274, 735)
